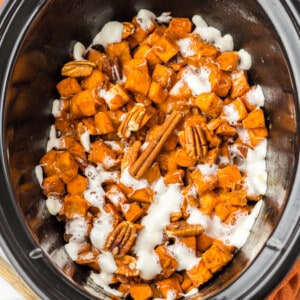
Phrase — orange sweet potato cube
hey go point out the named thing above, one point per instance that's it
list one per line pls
(74, 205)
(77, 186)
(255, 119)
(144, 195)
(68, 87)
(208, 202)
(132, 211)
(199, 274)
(165, 48)
(216, 257)
(228, 61)
(120, 50)
(225, 129)
(145, 51)
(116, 97)
(240, 83)
(179, 28)
(236, 107)
(204, 183)
(157, 93)
(220, 81)
(103, 123)
(189, 242)
(229, 176)
(101, 153)
(237, 198)
(65, 166)
(137, 76)
(170, 285)
(209, 103)
(53, 185)
(48, 162)
(183, 159)
(203, 242)
(153, 173)
(140, 291)
(153, 37)
(97, 78)
(166, 260)
(222, 210)
(83, 104)
(162, 75)
(174, 177)
(257, 135)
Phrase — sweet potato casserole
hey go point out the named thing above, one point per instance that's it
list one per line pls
(156, 160)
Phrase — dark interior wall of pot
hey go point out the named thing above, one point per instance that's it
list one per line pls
(45, 48)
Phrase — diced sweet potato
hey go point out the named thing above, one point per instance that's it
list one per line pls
(220, 81)
(66, 166)
(100, 153)
(183, 159)
(48, 162)
(209, 103)
(225, 129)
(208, 202)
(204, 183)
(120, 50)
(68, 87)
(170, 285)
(229, 176)
(187, 283)
(74, 205)
(174, 177)
(144, 195)
(132, 211)
(83, 104)
(179, 28)
(240, 84)
(255, 119)
(137, 76)
(228, 61)
(234, 197)
(157, 93)
(199, 274)
(96, 79)
(189, 242)
(165, 48)
(147, 52)
(222, 210)
(257, 135)
(115, 97)
(236, 109)
(53, 185)
(140, 291)
(203, 242)
(162, 74)
(216, 257)
(103, 123)
(166, 260)
(77, 186)
(153, 37)
(153, 173)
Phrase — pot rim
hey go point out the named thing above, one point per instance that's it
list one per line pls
(280, 251)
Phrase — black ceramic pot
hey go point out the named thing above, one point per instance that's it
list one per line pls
(35, 38)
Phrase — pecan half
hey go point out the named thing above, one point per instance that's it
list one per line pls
(135, 119)
(120, 241)
(182, 228)
(79, 68)
(195, 141)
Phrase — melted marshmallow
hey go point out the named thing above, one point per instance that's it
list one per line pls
(56, 108)
(185, 47)
(212, 35)
(130, 181)
(231, 114)
(165, 18)
(53, 204)
(245, 60)
(77, 228)
(145, 18)
(38, 170)
(79, 51)
(85, 140)
(110, 33)
(53, 141)
(108, 267)
(167, 200)
(255, 96)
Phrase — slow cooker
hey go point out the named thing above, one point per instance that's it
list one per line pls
(35, 39)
